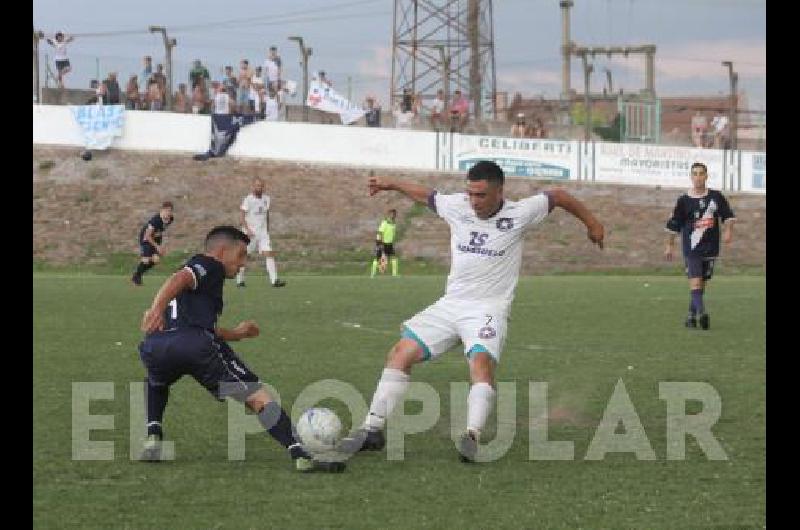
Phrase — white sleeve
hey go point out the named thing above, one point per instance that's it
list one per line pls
(534, 209)
(244, 205)
(446, 206)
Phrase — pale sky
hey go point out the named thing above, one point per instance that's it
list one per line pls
(353, 38)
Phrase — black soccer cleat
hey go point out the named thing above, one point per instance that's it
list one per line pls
(468, 447)
(691, 321)
(239, 284)
(136, 279)
(278, 283)
(705, 321)
(362, 440)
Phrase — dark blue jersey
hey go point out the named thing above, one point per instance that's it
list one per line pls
(697, 219)
(158, 225)
(198, 307)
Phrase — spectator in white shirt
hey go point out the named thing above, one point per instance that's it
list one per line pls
(222, 101)
(62, 62)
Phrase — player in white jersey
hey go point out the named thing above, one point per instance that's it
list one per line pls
(254, 214)
(486, 235)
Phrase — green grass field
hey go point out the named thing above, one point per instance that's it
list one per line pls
(578, 333)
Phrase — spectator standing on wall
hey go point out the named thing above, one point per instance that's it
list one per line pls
(271, 106)
(154, 96)
(199, 99)
(699, 130)
(459, 112)
(373, 115)
(519, 128)
(62, 62)
(222, 102)
(112, 89)
(161, 79)
(437, 110)
(198, 75)
(181, 101)
(132, 93)
(243, 96)
(272, 69)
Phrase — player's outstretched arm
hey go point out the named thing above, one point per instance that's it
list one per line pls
(416, 192)
(562, 199)
(244, 330)
(153, 319)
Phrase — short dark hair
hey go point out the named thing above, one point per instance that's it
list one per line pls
(702, 165)
(59, 34)
(273, 48)
(486, 170)
(225, 233)
(167, 204)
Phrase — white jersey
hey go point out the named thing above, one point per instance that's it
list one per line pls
(256, 209)
(487, 253)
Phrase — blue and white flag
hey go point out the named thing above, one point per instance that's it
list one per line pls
(325, 98)
(224, 128)
(100, 124)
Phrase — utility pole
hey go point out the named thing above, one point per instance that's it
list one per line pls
(304, 55)
(445, 60)
(37, 36)
(587, 71)
(733, 111)
(610, 85)
(473, 12)
(168, 45)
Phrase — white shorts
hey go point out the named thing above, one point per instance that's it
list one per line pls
(259, 242)
(442, 325)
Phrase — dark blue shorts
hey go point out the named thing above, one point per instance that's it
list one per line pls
(169, 355)
(697, 267)
(147, 250)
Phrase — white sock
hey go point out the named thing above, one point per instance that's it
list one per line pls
(240, 275)
(479, 404)
(272, 270)
(391, 388)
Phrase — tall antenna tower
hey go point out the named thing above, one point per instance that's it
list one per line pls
(448, 45)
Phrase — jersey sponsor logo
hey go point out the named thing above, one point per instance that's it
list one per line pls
(705, 222)
(487, 332)
(505, 223)
(482, 251)
(478, 239)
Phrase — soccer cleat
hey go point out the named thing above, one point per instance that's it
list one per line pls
(239, 284)
(704, 321)
(362, 440)
(468, 447)
(305, 463)
(152, 449)
(278, 283)
(691, 321)
(309, 465)
(136, 279)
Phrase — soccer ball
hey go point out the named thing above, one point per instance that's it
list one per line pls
(319, 429)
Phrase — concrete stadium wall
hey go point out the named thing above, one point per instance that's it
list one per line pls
(616, 163)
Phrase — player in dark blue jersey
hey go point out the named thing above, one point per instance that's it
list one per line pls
(150, 237)
(697, 218)
(183, 338)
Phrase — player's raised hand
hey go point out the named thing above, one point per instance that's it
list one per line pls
(152, 321)
(248, 329)
(596, 232)
(377, 184)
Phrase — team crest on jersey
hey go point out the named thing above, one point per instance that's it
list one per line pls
(200, 269)
(505, 223)
(487, 332)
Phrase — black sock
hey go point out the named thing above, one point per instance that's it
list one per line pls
(277, 423)
(142, 268)
(156, 401)
(697, 301)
